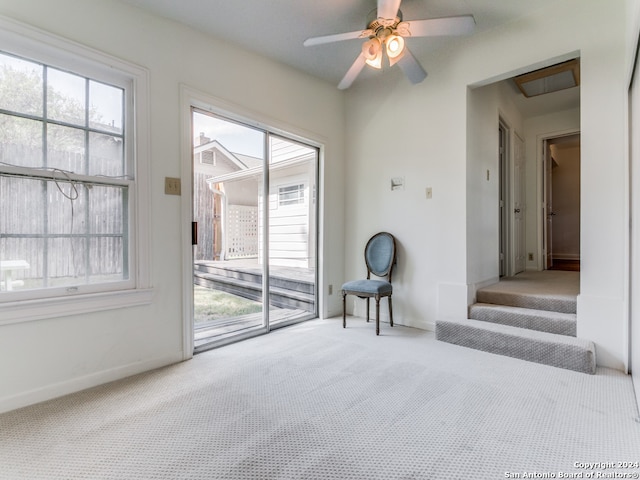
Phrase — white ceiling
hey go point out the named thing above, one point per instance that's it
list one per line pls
(276, 28)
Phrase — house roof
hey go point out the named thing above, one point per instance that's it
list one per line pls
(241, 161)
(257, 171)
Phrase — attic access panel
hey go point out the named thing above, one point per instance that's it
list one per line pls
(550, 79)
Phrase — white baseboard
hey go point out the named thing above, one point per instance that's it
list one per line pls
(77, 384)
(566, 256)
(419, 324)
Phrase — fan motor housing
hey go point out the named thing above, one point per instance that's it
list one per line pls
(373, 23)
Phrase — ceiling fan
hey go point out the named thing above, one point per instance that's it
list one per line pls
(386, 32)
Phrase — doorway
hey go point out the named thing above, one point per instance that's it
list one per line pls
(254, 216)
(561, 203)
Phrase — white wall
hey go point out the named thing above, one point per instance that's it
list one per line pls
(486, 107)
(633, 22)
(42, 359)
(428, 145)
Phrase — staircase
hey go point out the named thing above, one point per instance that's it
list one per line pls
(288, 287)
(525, 318)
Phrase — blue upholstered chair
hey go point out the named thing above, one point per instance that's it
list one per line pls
(380, 257)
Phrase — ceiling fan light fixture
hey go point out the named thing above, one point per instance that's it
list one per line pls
(395, 48)
(386, 31)
(376, 62)
(372, 51)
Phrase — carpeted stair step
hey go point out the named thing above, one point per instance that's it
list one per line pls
(540, 320)
(541, 347)
(549, 302)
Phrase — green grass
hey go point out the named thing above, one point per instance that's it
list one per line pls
(211, 304)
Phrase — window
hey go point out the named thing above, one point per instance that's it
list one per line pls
(71, 177)
(291, 195)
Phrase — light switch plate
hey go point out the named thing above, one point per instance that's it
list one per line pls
(172, 186)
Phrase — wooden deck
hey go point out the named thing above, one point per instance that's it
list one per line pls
(215, 330)
(289, 287)
(292, 296)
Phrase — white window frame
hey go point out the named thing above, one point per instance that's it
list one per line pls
(28, 42)
(300, 200)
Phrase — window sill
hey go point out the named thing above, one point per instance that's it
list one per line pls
(30, 310)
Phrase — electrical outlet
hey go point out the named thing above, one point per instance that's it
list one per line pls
(429, 193)
(330, 289)
(531, 257)
(172, 186)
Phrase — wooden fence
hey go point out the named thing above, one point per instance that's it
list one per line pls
(63, 229)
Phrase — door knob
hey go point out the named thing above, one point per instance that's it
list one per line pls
(517, 210)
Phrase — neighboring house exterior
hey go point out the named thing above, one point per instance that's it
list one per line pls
(229, 198)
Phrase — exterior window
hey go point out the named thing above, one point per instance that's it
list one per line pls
(63, 181)
(72, 216)
(291, 195)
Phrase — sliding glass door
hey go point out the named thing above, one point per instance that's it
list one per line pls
(291, 219)
(254, 213)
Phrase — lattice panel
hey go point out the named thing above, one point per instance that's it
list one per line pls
(242, 231)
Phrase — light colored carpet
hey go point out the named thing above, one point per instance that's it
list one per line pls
(560, 351)
(531, 317)
(546, 290)
(540, 320)
(316, 401)
(546, 282)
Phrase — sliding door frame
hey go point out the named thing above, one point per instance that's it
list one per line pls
(189, 99)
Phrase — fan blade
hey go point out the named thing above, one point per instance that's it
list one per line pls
(411, 67)
(388, 9)
(352, 73)
(434, 27)
(338, 37)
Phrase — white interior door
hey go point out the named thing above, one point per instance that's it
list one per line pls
(503, 200)
(547, 207)
(518, 206)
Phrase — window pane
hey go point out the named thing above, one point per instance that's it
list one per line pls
(26, 255)
(22, 203)
(65, 148)
(20, 141)
(108, 260)
(66, 261)
(106, 207)
(20, 85)
(66, 97)
(81, 242)
(291, 195)
(106, 155)
(283, 150)
(66, 208)
(106, 107)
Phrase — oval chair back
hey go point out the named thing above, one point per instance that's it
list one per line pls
(380, 255)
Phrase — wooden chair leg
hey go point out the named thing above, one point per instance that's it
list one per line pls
(367, 309)
(390, 312)
(344, 310)
(377, 315)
